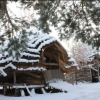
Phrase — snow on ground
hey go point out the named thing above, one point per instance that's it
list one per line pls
(64, 86)
(90, 91)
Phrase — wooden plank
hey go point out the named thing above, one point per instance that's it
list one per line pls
(53, 64)
(4, 90)
(17, 92)
(14, 77)
(84, 75)
(51, 75)
(58, 47)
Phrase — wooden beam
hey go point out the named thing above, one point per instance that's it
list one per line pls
(48, 46)
(5, 90)
(14, 77)
(16, 92)
(51, 64)
(58, 48)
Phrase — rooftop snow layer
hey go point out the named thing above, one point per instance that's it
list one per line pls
(71, 59)
(36, 42)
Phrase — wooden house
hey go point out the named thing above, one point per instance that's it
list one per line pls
(90, 71)
(43, 61)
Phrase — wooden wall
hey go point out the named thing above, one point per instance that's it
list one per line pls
(84, 75)
(52, 75)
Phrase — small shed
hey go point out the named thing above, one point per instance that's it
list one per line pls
(44, 60)
(90, 71)
(95, 67)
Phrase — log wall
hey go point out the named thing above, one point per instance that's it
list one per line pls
(84, 75)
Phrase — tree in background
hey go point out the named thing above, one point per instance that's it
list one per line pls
(82, 53)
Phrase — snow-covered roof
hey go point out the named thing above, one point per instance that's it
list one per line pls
(36, 41)
(71, 59)
(2, 72)
(70, 56)
(97, 52)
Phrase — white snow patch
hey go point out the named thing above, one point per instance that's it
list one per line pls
(62, 85)
(90, 91)
(10, 65)
(29, 86)
(6, 66)
(71, 59)
(32, 68)
(2, 72)
(22, 93)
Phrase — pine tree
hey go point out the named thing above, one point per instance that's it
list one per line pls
(80, 19)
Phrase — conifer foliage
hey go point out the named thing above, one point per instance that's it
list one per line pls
(80, 19)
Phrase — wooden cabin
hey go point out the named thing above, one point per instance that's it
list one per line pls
(90, 71)
(43, 61)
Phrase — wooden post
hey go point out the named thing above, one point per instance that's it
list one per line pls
(91, 74)
(58, 61)
(98, 70)
(42, 56)
(14, 77)
(76, 75)
(4, 90)
(16, 92)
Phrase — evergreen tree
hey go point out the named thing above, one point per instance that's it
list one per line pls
(80, 19)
